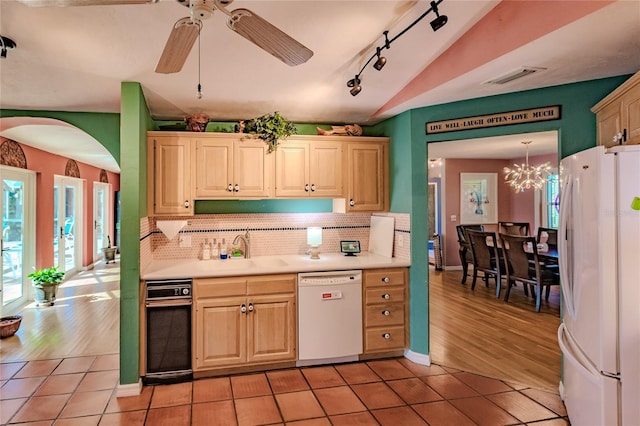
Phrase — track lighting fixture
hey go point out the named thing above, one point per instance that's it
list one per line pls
(354, 83)
(381, 61)
(440, 21)
(6, 43)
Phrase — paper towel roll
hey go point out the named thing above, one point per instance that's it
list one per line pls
(170, 228)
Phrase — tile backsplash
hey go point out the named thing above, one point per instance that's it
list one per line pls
(271, 233)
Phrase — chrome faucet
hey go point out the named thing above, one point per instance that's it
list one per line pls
(247, 243)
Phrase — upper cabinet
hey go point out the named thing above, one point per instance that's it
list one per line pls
(186, 166)
(618, 115)
(309, 169)
(367, 172)
(168, 179)
(228, 167)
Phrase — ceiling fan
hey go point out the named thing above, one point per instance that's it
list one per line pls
(186, 30)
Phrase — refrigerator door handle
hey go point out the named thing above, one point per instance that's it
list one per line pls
(574, 356)
(566, 281)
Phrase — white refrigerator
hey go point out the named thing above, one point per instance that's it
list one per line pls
(599, 255)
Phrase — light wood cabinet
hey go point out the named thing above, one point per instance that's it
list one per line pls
(244, 321)
(618, 115)
(309, 169)
(168, 178)
(229, 167)
(367, 173)
(385, 309)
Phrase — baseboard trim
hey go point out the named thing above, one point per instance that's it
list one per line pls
(418, 358)
(129, 389)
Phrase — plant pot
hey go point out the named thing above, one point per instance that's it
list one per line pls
(45, 295)
(109, 254)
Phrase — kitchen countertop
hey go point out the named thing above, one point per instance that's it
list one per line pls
(263, 265)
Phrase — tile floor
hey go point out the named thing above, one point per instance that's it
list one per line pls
(81, 391)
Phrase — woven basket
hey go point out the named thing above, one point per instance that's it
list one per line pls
(9, 325)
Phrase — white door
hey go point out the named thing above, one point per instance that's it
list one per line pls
(18, 206)
(67, 223)
(101, 218)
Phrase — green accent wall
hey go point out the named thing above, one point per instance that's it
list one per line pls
(263, 206)
(409, 153)
(104, 127)
(136, 120)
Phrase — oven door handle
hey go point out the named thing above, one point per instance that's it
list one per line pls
(167, 303)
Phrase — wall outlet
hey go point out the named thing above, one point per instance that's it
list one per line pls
(400, 240)
(185, 241)
(454, 218)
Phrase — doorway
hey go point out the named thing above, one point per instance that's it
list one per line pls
(67, 223)
(18, 206)
(101, 218)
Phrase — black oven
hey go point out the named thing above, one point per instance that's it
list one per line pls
(168, 326)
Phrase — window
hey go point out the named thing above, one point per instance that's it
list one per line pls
(551, 208)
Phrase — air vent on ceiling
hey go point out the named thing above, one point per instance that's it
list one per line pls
(514, 75)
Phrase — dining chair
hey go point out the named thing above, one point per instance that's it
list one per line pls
(523, 265)
(464, 250)
(548, 236)
(486, 257)
(514, 228)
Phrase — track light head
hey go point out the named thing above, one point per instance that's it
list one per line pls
(380, 63)
(440, 20)
(354, 83)
(6, 43)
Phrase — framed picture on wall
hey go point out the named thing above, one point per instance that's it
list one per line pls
(478, 198)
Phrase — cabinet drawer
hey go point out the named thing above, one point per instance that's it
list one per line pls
(220, 287)
(384, 315)
(384, 338)
(382, 295)
(271, 284)
(384, 277)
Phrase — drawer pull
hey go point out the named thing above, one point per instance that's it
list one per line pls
(386, 336)
(386, 296)
(243, 308)
(186, 204)
(385, 280)
(386, 313)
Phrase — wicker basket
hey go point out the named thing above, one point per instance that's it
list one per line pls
(9, 325)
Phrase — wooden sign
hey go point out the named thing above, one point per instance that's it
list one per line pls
(494, 120)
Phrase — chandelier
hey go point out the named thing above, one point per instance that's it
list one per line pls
(525, 176)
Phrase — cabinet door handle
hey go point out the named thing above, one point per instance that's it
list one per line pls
(386, 313)
(306, 188)
(352, 203)
(236, 188)
(243, 308)
(386, 336)
(313, 187)
(386, 296)
(385, 280)
(230, 188)
(186, 204)
(250, 307)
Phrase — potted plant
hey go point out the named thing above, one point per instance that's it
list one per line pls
(109, 252)
(270, 128)
(46, 281)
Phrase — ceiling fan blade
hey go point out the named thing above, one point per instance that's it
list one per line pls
(267, 37)
(64, 3)
(181, 40)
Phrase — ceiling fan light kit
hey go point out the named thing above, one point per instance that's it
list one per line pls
(436, 24)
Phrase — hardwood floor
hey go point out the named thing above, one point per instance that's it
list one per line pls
(85, 320)
(473, 331)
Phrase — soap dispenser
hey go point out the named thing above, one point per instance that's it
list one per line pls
(223, 249)
(214, 250)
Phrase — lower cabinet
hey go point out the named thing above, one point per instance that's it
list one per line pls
(385, 310)
(244, 321)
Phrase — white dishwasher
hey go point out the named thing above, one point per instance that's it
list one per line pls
(329, 317)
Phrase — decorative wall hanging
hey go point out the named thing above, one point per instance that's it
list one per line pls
(11, 154)
(478, 198)
(72, 169)
(104, 178)
(349, 130)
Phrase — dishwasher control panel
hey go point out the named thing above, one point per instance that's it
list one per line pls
(329, 278)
